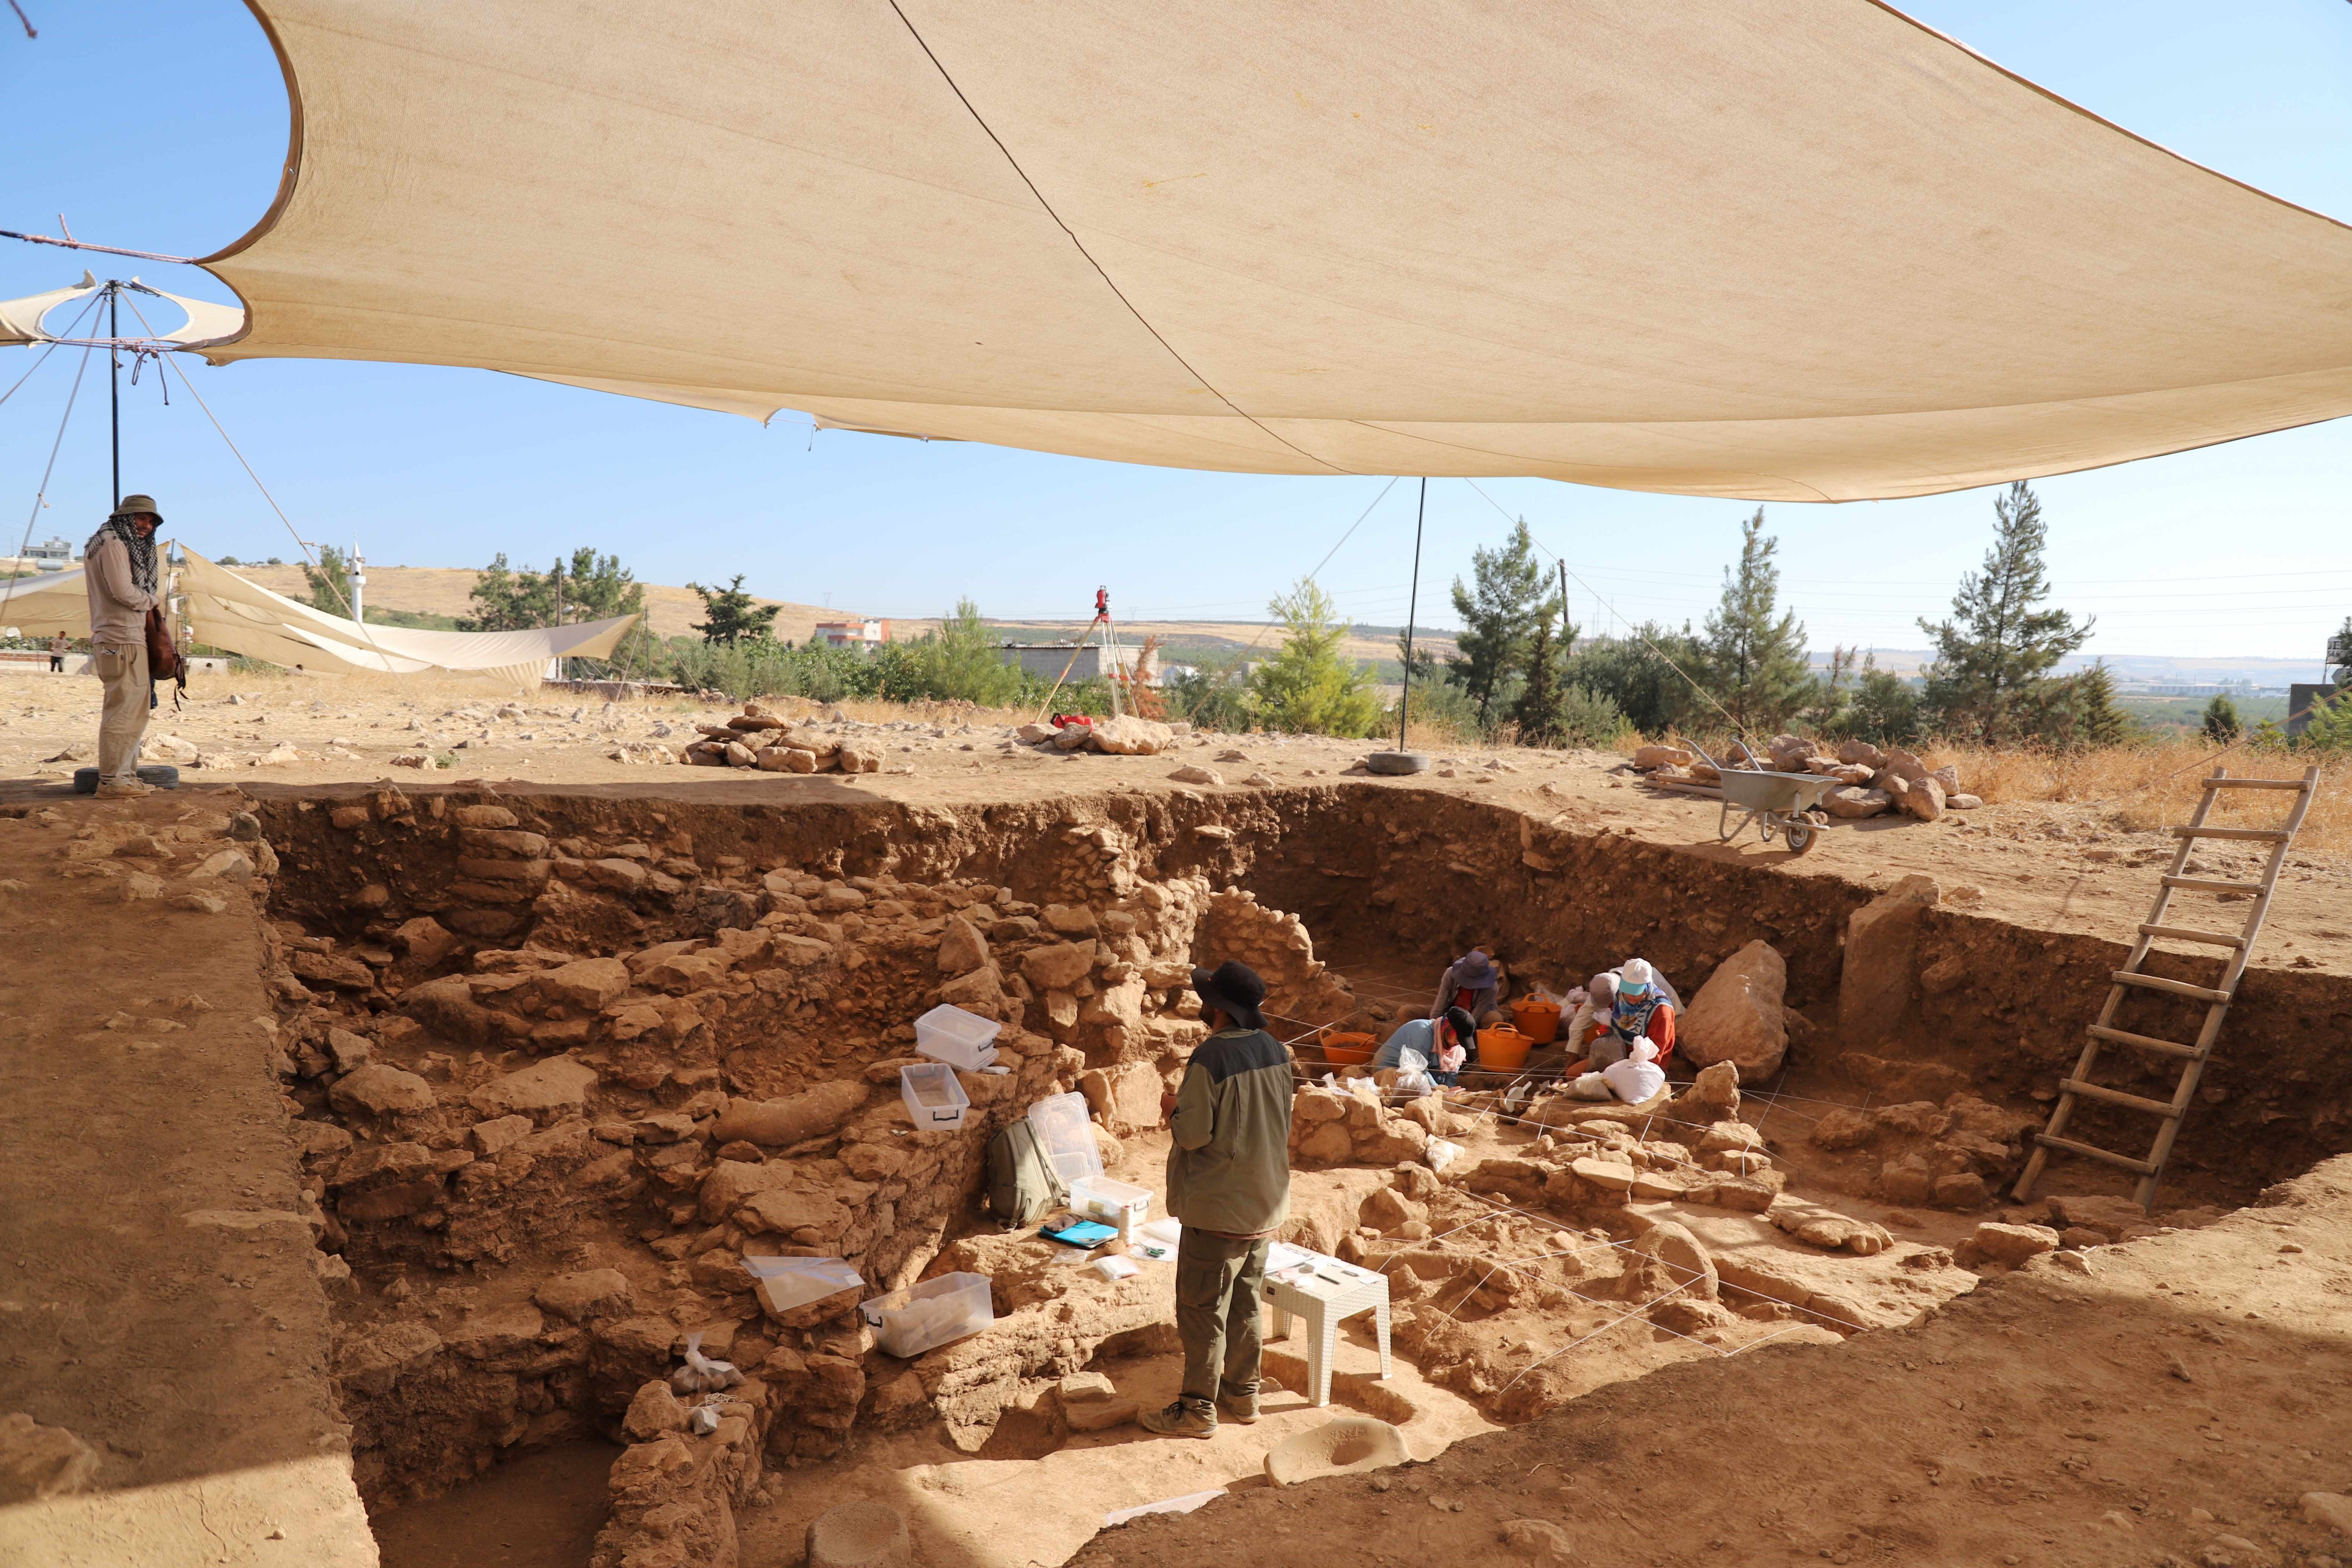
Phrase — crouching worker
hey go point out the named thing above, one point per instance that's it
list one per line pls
(1229, 1186)
(1639, 1011)
(1447, 1044)
(1474, 983)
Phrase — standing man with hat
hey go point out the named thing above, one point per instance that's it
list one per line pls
(118, 573)
(1229, 1186)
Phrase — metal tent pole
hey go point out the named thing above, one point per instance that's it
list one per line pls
(114, 382)
(1412, 606)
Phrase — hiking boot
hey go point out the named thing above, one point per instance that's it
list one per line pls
(1240, 1408)
(123, 789)
(1180, 1420)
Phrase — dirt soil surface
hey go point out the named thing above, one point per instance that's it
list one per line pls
(159, 1296)
(2170, 1404)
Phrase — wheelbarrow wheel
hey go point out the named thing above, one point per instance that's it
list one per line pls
(1801, 834)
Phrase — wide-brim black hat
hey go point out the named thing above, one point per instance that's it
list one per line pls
(1232, 989)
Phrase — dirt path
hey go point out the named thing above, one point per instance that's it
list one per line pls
(2170, 1406)
(158, 1293)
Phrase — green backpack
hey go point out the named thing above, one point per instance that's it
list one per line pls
(1021, 1182)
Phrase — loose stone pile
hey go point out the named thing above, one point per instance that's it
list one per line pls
(757, 738)
(1871, 780)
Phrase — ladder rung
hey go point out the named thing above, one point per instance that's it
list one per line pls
(2145, 1042)
(2068, 1144)
(2178, 987)
(2205, 885)
(2116, 1096)
(2185, 934)
(2251, 783)
(2265, 835)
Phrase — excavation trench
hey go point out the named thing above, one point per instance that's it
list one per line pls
(565, 1061)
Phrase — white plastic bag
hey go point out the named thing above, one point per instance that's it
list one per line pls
(1413, 1073)
(1440, 1154)
(700, 1374)
(1116, 1267)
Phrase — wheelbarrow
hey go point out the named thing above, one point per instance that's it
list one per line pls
(1774, 802)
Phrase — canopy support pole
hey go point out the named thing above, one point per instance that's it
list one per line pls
(1412, 610)
(114, 385)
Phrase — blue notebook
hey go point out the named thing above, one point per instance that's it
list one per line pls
(1084, 1233)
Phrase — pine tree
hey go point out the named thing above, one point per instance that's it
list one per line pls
(1499, 616)
(733, 617)
(1884, 710)
(1537, 712)
(1999, 646)
(331, 582)
(2221, 724)
(507, 600)
(1311, 687)
(1755, 653)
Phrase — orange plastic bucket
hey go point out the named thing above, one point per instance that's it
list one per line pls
(1539, 1021)
(1348, 1050)
(1502, 1049)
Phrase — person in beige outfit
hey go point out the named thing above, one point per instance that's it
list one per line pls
(118, 573)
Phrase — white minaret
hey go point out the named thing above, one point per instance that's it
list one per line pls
(358, 582)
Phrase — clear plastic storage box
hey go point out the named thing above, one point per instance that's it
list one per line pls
(1068, 1138)
(956, 1038)
(1121, 1203)
(924, 1317)
(935, 1099)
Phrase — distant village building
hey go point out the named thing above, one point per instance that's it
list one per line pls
(51, 555)
(1047, 660)
(867, 632)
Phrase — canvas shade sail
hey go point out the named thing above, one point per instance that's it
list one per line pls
(1788, 249)
(207, 323)
(225, 611)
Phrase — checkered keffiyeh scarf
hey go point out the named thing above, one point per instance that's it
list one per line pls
(142, 549)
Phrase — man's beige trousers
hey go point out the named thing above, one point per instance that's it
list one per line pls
(122, 724)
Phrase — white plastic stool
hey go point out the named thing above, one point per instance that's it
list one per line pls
(1325, 1292)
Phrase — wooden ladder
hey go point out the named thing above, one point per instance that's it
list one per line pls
(2215, 998)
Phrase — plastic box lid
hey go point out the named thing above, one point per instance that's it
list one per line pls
(1067, 1136)
(796, 1281)
(956, 1038)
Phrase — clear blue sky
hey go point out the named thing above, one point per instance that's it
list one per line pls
(161, 126)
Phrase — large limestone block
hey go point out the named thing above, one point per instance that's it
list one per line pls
(1059, 966)
(586, 985)
(545, 1092)
(1874, 989)
(378, 1087)
(37, 1462)
(1855, 801)
(1735, 1017)
(796, 1119)
(1132, 737)
(963, 948)
(1924, 799)
(1679, 1252)
(1126, 1097)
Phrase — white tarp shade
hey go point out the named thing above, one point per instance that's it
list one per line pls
(224, 610)
(47, 603)
(1798, 250)
(20, 320)
(208, 324)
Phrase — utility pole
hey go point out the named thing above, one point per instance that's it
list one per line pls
(114, 382)
(1412, 609)
(1565, 632)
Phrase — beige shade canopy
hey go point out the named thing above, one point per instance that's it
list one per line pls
(224, 610)
(1786, 250)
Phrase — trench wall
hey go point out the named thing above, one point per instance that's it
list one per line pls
(1410, 872)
